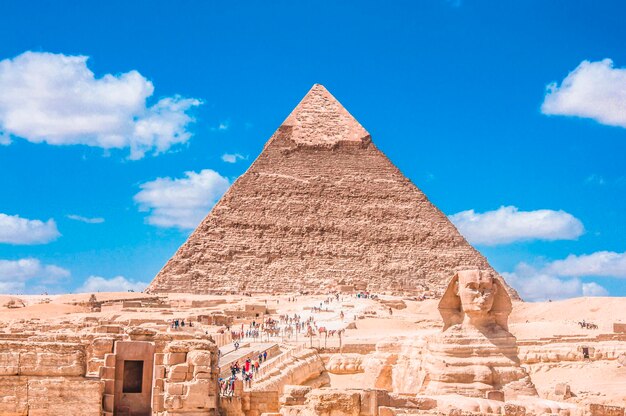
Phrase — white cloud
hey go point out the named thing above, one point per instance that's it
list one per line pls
(595, 179)
(509, 224)
(533, 285)
(95, 284)
(593, 90)
(233, 157)
(17, 230)
(182, 202)
(223, 126)
(96, 220)
(594, 289)
(560, 279)
(57, 99)
(15, 273)
(600, 263)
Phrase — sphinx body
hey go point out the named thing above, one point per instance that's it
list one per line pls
(475, 353)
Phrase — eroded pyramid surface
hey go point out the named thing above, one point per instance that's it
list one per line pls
(321, 207)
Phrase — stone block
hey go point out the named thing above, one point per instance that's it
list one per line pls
(159, 371)
(68, 361)
(174, 358)
(514, 410)
(159, 359)
(9, 363)
(109, 386)
(101, 346)
(158, 403)
(201, 358)
(174, 388)
(107, 373)
(108, 401)
(63, 396)
(201, 369)
(109, 360)
(495, 395)
(13, 396)
(604, 410)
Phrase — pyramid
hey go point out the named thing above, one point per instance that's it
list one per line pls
(321, 208)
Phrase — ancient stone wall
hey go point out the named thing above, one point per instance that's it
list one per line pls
(186, 379)
(38, 379)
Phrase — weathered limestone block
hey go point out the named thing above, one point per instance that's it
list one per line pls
(9, 363)
(41, 363)
(345, 364)
(101, 346)
(534, 405)
(42, 358)
(64, 396)
(294, 395)
(327, 402)
(13, 396)
(604, 410)
(451, 403)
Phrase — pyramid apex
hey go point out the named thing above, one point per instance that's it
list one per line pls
(320, 119)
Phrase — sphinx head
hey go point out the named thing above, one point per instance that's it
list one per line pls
(477, 291)
(475, 297)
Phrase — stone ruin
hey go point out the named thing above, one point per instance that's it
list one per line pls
(320, 209)
(104, 371)
(114, 364)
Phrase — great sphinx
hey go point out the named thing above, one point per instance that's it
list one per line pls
(474, 354)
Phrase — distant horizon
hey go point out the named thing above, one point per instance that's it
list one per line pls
(122, 125)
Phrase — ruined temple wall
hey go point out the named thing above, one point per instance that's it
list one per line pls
(46, 379)
(569, 351)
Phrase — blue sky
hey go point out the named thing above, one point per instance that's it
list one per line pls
(99, 101)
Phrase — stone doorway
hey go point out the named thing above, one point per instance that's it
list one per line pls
(134, 362)
(585, 352)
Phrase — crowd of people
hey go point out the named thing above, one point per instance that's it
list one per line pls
(244, 372)
(285, 325)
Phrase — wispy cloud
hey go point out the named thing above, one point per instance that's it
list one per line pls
(94, 284)
(96, 220)
(595, 179)
(560, 279)
(182, 202)
(594, 90)
(536, 285)
(600, 263)
(21, 231)
(508, 224)
(14, 274)
(222, 126)
(233, 157)
(110, 112)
